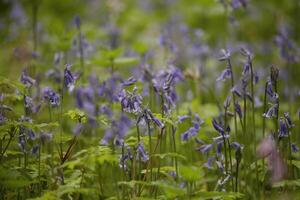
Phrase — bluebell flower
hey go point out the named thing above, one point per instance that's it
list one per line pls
(129, 81)
(69, 78)
(131, 102)
(236, 145)
(127, 155)
(246, 70)
(237, 90)
(205, 148)
(34, 150)
(221, 138)
(182, 118)
(294, 148)
(77, 21)
(51, 97)
(27, 80)
(192, 131)
(225, 74)
(46, 136)
(118, 129)
(25, 119)
(31, 134)
(272, 111)
(227, 102)
(22, 139)
(218, 127)
(28, 103)
(235, 4)
(283, 128)
(209, 163)
(198, 141)
(2, 119)
(164, 85)
(225, 55)
(238, 109)
(142, 152)
(219, 148)
(245, 52)
(288, 120)
(189, 133)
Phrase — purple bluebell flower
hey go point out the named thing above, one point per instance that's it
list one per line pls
(225, 55)
(142, 152)
(28, 103)
(209, 162)
(127, 155)
(238, 90)
(221, 138)
(205, 148)
(51, 97)
(25, 119)
(46, 136)
(227, 102)
(218, 127)
(198, 141)
(129, 81)
(69, 78)
(238, 109)
(294, 148)
(246, 69)
(236, 145)
(283, 128)
(288, 48)
(2, 119)
(272, 111)
(35, 149)
(245, 52)
(235, 4)
(118, 129)
(182, 118)
(31, 135)
(77, 21)
(189, 133)
(27, 80)
(164, 85)
(219, 148)
(192, 131)
(288, 120)
(131, 102)
(225, 74)
(22, 139)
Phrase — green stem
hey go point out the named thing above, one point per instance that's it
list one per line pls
(233, 97)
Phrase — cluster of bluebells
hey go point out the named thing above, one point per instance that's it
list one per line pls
(51, 97)
(164, 86)
(147, 117)
(273, 100)
(118, 130)
(192, 131)
(131, 102)
(289, 50)
(27, 80)
(69, 78)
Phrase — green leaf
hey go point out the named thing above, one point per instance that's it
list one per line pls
(191, 173)
(287, 183)
(296, 163)
(170, 154)
(218, 195)
(126, 61)
(8, 86)
(77, 115)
